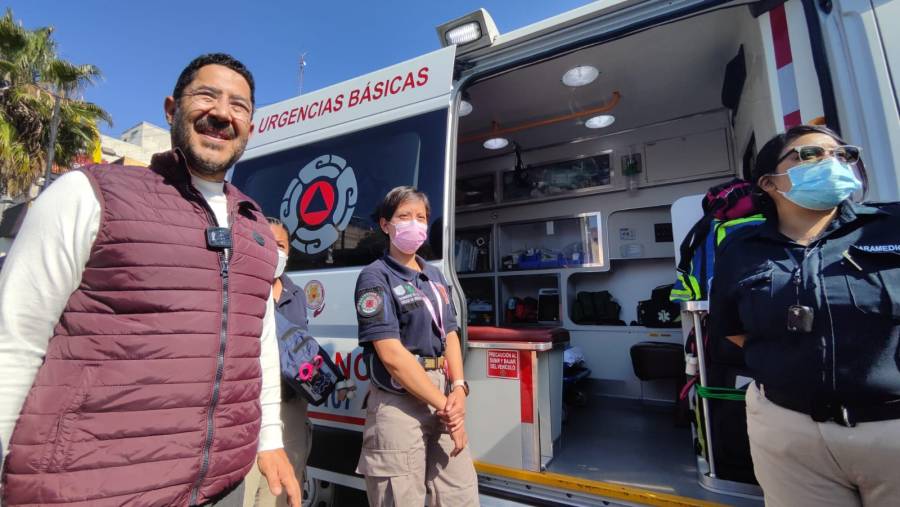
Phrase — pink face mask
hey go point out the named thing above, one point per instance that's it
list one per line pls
(408, 236)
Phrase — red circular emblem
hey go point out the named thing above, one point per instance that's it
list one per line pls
(317, 203)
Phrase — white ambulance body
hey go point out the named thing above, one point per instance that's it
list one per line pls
(556, 188)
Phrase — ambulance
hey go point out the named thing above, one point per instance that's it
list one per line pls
(552, 156)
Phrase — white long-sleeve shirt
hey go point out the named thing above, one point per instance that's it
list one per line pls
(44, 267)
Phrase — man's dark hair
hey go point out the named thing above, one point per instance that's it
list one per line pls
(223, 59)
(767, 161)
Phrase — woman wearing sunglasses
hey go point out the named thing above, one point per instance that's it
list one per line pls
(813, 297)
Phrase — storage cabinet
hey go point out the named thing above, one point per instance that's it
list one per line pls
(531, 299)
(481, 300)
(557, 178)
(643, 233)
(476, 190)
(473, 250)
(550, 244)
(687, 157)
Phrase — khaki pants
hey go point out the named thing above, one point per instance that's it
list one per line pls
(297, 436)
(406, 452)
(801, 463)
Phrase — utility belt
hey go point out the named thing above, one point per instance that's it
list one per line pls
(845, 414)
(431, 363)
(382, 379)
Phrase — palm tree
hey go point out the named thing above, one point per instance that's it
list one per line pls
(32, 77)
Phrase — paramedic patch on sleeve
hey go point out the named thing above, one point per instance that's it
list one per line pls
(370, 302)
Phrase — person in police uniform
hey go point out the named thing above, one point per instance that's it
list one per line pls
(414, 439)
(813, 297)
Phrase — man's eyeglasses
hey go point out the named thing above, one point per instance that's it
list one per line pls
(207, 99)
(847, 154)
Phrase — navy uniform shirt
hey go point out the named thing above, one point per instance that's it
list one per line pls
(292, 303)
(849, 277)
(390, 304)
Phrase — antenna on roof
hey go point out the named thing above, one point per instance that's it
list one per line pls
(302, 64)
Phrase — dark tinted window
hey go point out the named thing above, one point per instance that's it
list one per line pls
(326, 192)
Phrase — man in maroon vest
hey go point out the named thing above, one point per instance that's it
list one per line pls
(137, 338)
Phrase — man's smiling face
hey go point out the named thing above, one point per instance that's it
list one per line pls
(211, 120)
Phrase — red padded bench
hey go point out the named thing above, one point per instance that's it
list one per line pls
(518, 334)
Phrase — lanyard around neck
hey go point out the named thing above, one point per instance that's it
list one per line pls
(436, 315)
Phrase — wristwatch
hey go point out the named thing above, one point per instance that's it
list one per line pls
(458, 383)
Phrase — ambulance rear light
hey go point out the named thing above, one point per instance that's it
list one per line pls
(472, 31)
(463, 34)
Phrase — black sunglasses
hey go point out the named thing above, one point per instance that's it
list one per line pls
(847, 154)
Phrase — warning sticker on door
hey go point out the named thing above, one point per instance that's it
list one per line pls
(503, 364)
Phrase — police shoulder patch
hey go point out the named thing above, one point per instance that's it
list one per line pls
(370, 302)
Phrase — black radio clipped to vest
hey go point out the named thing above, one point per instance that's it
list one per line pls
(218, 238)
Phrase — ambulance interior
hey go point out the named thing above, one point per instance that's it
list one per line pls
(564, 191)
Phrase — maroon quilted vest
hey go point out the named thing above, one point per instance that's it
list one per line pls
(149, 392)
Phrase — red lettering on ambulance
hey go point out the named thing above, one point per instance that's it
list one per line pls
(396, 81)
(292, 119)
(359, 366)
(409, 82)
(379, 90)
(423, 76)
(360, 375)
(366, 94)
(282, 119)
(339, 362)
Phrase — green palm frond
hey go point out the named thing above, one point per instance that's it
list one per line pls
(69, 76)
(33, 74)
(13, 38)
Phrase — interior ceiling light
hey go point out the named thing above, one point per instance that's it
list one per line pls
(580, 76)
(496, 143)
(465, 107)
(599, 122)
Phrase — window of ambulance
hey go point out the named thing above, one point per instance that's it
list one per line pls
(326, 192)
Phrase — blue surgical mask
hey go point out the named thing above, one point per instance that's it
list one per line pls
(821, 185)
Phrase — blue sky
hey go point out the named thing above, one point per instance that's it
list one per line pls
(141, 46)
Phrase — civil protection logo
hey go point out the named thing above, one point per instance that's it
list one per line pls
(315, 296)
(319, 203)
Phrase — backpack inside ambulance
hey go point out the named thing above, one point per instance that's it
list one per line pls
(552, 156)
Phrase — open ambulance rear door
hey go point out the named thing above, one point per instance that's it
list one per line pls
(321, 162)
(863, 55)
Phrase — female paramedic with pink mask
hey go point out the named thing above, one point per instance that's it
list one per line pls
(415, 437)
(813, 297)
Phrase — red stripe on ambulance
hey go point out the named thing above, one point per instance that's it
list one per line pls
(784, 63)
(346, 419)
(526, 386)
